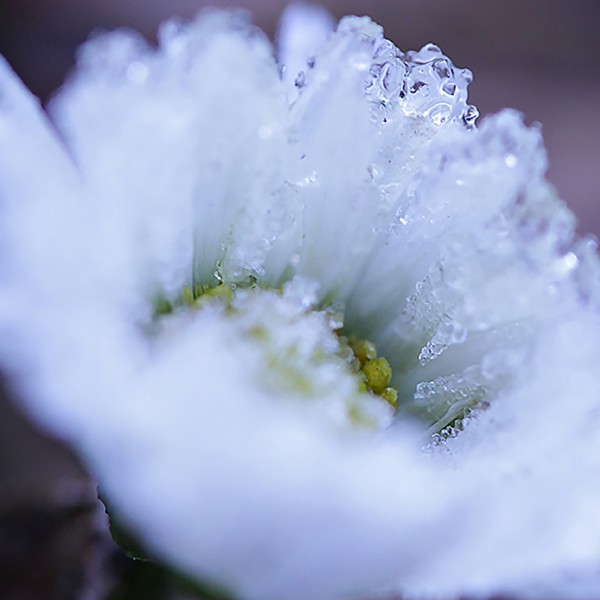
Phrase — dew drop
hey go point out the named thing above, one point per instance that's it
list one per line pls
(470, 115)
(440, 113)
(441, 68)
(449, 88)
(137, 72)
(417, 86)
(265, 132)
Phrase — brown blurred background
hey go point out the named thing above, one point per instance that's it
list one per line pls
(542, 58)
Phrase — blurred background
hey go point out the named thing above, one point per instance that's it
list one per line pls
(542, 58)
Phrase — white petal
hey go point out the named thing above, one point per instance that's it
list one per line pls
(177, 143)
(303, 29)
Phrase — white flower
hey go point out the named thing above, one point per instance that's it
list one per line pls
(224, 435)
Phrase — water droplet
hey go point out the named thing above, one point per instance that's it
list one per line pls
(374, 171)
(449, 88)
(335, 320)
(393, 76)
(417, 85)
(567, 263)
(217, 274)
(309, 180)
(470, 115)
(466, 75)
(441, 68)
(440, 113)
(265, 132)
(137, 72)
(375, 70)
(427, 53)
(361, 61)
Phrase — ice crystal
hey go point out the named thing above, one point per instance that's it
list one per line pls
(361, 187)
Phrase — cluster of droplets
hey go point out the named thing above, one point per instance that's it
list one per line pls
(468, 415)
(423, 82)
(446, 398)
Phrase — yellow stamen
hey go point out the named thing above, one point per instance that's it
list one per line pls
(390, 395)
(378, 374)
(364, 350)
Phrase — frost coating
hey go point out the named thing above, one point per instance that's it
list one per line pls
(423, 83)
(441, 242)
(486, 253)
(293, 351)
(176, 95)
(386, 135)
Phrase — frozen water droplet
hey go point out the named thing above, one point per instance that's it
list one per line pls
(335, 320)
(378, 112)
(416, 86)
(567, 263)
(449, 88)
(361, 61)
(427, 53)
(416, 82)
(309, 181)
(217, 273)
(374, 171)
(137, 72)
(441, 68)
(466, 74)
(392, 77)
(375, 70)
(265, 132)
(470, 115)
(172, 37)
(440, 113)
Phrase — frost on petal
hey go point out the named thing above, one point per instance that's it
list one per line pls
(529, 466)
(357, 135)
(178, 143)
(303, 29)
(224, 474)
(481, 254)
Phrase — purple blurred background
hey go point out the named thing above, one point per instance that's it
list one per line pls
(539, 57)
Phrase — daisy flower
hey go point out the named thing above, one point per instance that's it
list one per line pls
(315, 333)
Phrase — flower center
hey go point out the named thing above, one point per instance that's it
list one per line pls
(292, 349)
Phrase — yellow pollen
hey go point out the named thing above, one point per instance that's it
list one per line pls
(378, 374)
(363, 350)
